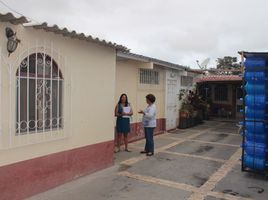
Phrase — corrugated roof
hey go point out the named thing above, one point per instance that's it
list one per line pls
(196, 71)
(142, 58)
(73, 34)
(247, 54)
(219, 78)
(9, 17)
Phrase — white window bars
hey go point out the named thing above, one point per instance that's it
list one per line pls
(187, 81)
(39, 95)
(148, 76)
(35, 97)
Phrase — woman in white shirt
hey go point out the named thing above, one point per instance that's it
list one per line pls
(149, 124)
(123, 111)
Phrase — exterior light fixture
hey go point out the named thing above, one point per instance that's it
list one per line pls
(12, 42)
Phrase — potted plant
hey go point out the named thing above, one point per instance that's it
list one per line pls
(186, 110)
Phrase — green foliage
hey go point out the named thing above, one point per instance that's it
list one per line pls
(227, 62)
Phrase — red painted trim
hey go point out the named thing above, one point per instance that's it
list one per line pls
(172, 130)
(214, 78)
(137, 130)
(24, 179)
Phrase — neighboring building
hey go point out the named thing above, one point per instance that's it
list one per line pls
(223, 93)
(56, 107)
(196, 74)
(139, 75)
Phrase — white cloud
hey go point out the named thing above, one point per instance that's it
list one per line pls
(177, 31)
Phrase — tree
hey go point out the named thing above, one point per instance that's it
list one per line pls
(228, 63)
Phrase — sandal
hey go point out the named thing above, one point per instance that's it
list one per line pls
(117, 150)
(150, 154)
(127, 150)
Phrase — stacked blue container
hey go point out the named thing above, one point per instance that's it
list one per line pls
(255, 141)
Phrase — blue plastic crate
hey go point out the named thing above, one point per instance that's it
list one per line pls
(255, 149)
(256, 127)
(255, 114)
(256, 88)
(255, 163)
(255, 62)
(256, 101)
(254, 137)
(256, 77)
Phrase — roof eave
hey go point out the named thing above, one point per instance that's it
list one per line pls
(247, 54)
(73, 34)
(132, 57)
(9, 17)
(141, 58)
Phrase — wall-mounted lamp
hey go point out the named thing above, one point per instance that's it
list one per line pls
(12, 42)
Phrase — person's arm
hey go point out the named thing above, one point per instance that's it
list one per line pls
(150, 113)
(116, 113)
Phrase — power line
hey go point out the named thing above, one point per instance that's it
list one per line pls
(13, 10)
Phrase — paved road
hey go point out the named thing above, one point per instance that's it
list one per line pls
(193, 164)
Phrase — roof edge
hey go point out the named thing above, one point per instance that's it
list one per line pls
(75, 35)
(9, 17)
(22, 20)
(142, 58)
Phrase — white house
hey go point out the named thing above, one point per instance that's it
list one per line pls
(56, 92)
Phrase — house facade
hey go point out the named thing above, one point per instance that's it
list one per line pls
(139, 75)
(53, 103)
(223, 93)
(177, 82)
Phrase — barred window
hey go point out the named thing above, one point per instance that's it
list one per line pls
(239, 108)
(221, 93)
(148, 76)
(239, 93)
(39, 94)
(187, 81)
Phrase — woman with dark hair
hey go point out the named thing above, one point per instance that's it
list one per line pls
(149, 123)
(123, 111)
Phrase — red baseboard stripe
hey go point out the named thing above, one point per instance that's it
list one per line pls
(24, 179)
(137, 130)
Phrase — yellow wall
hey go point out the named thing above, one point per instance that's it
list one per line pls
(89, 85)
(127, 81)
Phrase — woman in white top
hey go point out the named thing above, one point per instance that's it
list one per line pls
(149, 123)
(123, 111)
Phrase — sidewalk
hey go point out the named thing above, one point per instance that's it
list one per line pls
(195, 164)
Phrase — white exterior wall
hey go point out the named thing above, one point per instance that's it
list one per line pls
(127, 81)
(89, 84)
(172, 98)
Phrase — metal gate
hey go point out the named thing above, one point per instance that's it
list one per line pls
(35, 96)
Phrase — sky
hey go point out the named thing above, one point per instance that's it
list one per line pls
(178, 31)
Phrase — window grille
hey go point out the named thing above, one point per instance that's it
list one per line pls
(148, 76)
(39, 95)
(186, 81)
(36, 101)
(221, 93)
